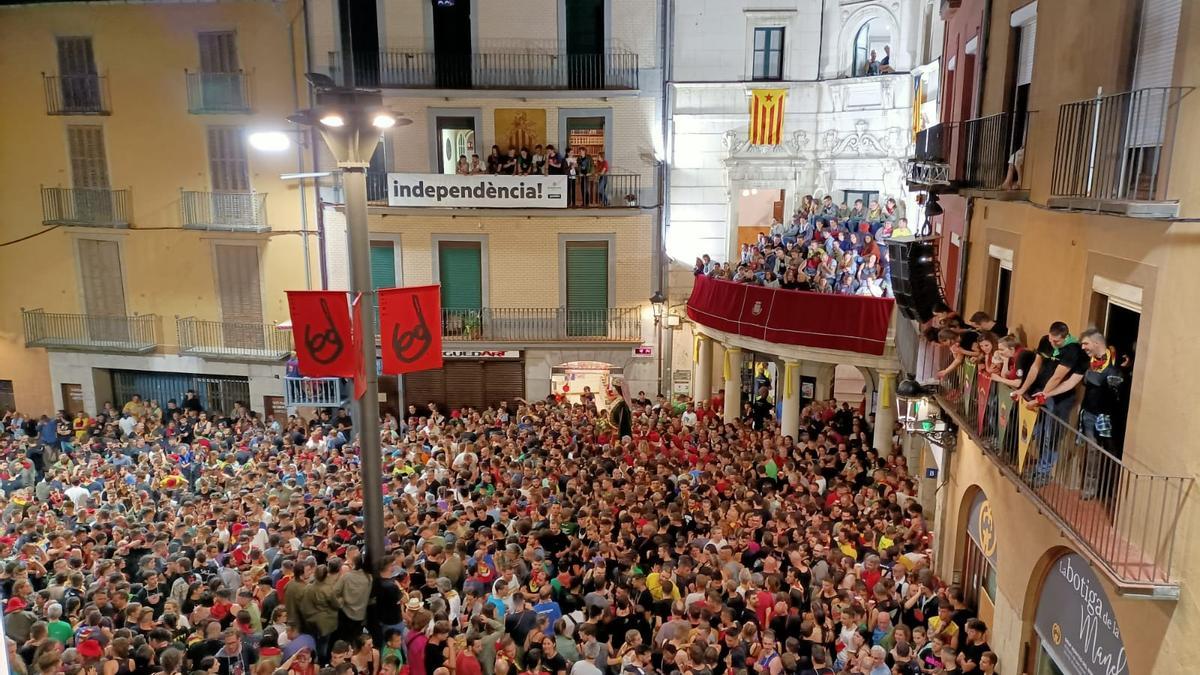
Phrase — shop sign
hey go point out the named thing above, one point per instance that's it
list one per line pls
(481, 354)
(1076, 621)
(644, 351)
(485, 192)
(981, 527)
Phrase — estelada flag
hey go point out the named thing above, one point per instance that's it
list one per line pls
(983, 390)
(410, 329)
(766, 116)
(323, 332)
(1027, 424)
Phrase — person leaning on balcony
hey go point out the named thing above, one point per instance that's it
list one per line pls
(982, 321)
(462, 168)
(494, 160)
(1016, 361)
(477, 167)
(885, 65)
(1058, 368)
(1102, 386)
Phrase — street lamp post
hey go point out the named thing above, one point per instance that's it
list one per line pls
(658, 304)
(351, 122)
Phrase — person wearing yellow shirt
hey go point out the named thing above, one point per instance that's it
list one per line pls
(656, 582)
(135, 407)
(943, 625)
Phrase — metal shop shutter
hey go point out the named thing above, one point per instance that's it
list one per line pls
(464, 384)
(423, 387)
(503, 381)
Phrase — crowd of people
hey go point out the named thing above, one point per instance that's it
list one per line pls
(587, 175)
(826, 248)
(1047, 377)
(529, 538)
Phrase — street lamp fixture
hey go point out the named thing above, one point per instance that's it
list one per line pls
(270, 141)
(919, 413)
(333, 120)
(658, 305)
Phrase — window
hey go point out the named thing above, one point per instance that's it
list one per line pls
(227, 164)
(999, 280)
(220, 82)
(587, 288)
(456, 138)
(870, 49)
(8, 399)
(768, 53)
(460, 271)
(103, 284)
(218, 52)
(240, 291)
(383, 266)
(77, 70)
(89, 163)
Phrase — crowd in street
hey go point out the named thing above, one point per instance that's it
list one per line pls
(531, 538)
(826, 248)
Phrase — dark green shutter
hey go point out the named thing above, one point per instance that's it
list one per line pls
(383, 265)
(461, 274)
(587, 288)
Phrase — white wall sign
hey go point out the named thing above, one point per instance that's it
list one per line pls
(491, 192)
(481, 354)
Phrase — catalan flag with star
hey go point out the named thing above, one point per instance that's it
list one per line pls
(766, 116)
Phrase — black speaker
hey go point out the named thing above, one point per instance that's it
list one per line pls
(914, 276)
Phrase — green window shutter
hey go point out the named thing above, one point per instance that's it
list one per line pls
(383, 265)
(461, 274)
(587, 288)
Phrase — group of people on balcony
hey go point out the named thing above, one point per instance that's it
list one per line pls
(827, 248)
(527, 538)
(587, 175)
(1047, 377)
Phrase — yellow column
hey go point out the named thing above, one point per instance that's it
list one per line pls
(702, 355)
(885, 413)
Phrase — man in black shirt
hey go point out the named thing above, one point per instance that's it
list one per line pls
(1102, 385)
(982, 321)
(975, 646)
(1057, 371)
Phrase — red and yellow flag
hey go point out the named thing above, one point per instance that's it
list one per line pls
(766, 116)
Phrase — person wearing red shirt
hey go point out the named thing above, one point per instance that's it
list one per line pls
(467, 661)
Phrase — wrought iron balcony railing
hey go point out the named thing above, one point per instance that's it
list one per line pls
(317, 392)
(76, 94)
(233, 340)
(234, 211)
(988, 146)
(90, 332)
(549, 324)
(1114, 147)
(218, 92)
(539, 70)
(1125, 518)
(90, 207)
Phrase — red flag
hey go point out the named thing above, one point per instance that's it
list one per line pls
(983, 387)
(410, 329)
(360, 360)
(323, 332)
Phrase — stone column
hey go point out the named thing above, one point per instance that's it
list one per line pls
(790, 379)
(702, 379)
(733, 383)
(885, 413)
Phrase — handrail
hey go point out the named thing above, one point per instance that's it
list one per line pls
(218, 92)
(96, 207)
(62, 330)
(532, 324)
(233, 339)
(85, 94)
(224, 210)
(538, 70)
(1125, 517)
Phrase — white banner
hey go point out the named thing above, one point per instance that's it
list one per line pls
(482, 191)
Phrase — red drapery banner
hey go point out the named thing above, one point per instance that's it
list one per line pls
(360, 359)
(983, 388)
(852, 323)
(410, 329)
(323, 333)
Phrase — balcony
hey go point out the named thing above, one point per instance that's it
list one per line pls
(985, 146)
(1112, 153)
(850, 323)
(218, 93)
(612, 191)
(76, 94)
(928, 167)
(317, 392)
(89, 332)
(232, 340)
(226, 211)
(86, 207)
(536, 71)
(550, 324)
(1123, 517)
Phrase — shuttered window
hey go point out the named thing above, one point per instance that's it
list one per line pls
(227, 163)
(89, 164)
(1025, 55)
(75, 56)
(383, 264)
(101, 272)
(238, 284)
(460, 271)
(587, 288)
(218, 52)
(1158, 35)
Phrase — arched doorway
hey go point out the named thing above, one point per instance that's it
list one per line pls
(873, 35)
(978, 561)
(849, 385)
(571, 380)
(1075, 629)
